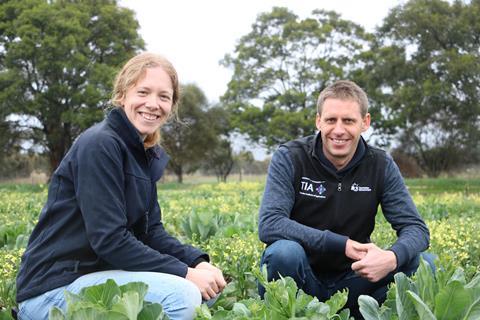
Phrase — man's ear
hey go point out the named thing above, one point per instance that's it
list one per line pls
(366, 122)
(318, 122)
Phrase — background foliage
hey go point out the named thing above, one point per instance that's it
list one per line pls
(57, 61)
(198, 133)
(281, 66)
(420, 68)
(423, 77)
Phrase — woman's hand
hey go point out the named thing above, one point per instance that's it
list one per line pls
(207, 278)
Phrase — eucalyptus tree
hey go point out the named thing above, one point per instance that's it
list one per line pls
(57, 61)
(423, 78)
(280, 67)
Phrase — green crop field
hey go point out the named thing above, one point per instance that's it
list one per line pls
(222, 220)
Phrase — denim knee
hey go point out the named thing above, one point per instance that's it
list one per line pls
(430, 259)
(284, 257)
(181, 303)
(38, 308)
(414, 263)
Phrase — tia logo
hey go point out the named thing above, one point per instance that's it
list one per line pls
(356, 188)
(312, 188)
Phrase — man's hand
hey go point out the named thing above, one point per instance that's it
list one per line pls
(376, 264)
(355, 250)
(207, 278)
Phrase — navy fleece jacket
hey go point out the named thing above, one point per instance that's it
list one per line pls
(102, 213)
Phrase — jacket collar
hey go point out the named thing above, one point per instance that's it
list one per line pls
(317, 153)
(155, 157)
(117, 119)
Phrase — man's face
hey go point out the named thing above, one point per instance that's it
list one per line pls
(341, 125)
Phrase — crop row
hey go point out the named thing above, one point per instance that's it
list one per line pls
(222, 220)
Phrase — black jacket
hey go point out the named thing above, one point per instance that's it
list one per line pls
(345, 204)
(282, 192)
(102, 213)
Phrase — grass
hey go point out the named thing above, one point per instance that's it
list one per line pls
(21, 187)
(442, 185)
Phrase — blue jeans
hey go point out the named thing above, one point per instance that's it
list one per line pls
(178, 296)
(288, 258)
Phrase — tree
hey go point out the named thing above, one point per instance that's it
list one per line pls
(57, 60)
(8, 146)
(189, 140)
(281, 66)
(423, 78)
(242, 160)
(220, 160)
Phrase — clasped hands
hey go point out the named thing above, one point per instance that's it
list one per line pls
(208, 278)
(371, 262)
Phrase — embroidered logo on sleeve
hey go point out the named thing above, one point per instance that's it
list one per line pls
(312, 188)
(356, 188)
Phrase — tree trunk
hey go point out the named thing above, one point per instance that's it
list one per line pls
(179, 174)
(55, 157)
(59, 141)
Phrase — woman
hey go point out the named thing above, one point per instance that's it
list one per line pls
(102, 219)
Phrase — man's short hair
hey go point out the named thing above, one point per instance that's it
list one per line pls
(344, 90)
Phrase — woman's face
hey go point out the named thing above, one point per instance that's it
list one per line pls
(149, 102)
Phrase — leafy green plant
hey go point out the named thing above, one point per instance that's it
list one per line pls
(5, 314)
(201, 225)
(283, 300)
(7, 295)
(237, 256)
(110, 301)
(451, 214)
(433, 210)
(446, 295)
(9, 262)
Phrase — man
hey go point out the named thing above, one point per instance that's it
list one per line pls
(320, 201)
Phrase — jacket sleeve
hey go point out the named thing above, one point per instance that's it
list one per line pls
(100, 194)
(400, 211)
(276, 207)
(159, 239)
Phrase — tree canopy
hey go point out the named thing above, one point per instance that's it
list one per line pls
(423, 78)
(58, 59)
(191, 140)
(220, 160)
(281, 66)
(420, 69)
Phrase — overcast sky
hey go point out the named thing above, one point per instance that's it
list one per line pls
(195, 35)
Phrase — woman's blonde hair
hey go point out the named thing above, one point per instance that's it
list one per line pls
(133, 71)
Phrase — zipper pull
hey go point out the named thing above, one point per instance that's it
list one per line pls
(339, 188)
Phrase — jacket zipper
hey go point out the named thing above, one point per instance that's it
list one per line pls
(151, 197)
(150, 203)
